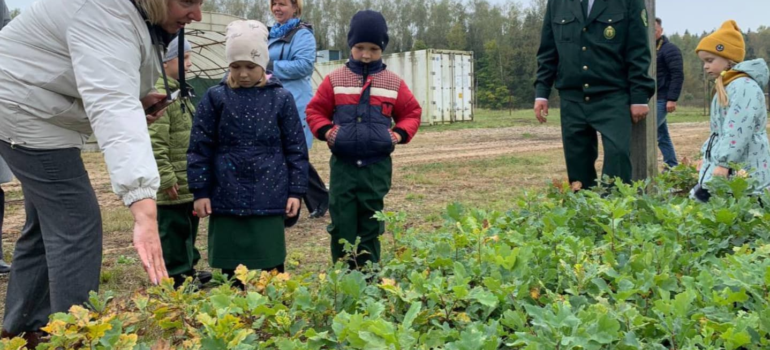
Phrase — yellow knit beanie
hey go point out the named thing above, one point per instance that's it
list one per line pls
(726, 42)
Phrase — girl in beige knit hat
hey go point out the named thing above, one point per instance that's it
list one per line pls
(247, 161)
(247, 53)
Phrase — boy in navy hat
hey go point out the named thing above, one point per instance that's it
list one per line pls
(354, 111)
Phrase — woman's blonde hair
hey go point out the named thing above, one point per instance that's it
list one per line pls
(723, 99)
(156, 10)
(296, 3)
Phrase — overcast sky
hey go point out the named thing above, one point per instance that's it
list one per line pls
(678, 15)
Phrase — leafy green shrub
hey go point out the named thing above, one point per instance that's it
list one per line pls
(562, 270)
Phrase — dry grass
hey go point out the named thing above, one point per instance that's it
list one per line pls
(477, 167)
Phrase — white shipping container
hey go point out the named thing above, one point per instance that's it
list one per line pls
(441, 80)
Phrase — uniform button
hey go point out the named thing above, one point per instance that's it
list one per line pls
(586, 86)
(588, 99)
(359, 163)
(610, 20)
(585, 48)
(359, 119)
(585, 67)
(563, 21)
(585, 29)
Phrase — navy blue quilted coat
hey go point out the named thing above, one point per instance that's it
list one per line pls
(247, 150)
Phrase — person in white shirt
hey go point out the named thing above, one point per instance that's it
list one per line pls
(69, 69)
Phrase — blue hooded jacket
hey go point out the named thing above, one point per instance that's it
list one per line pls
(292, 58)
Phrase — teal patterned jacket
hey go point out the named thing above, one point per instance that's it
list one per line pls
(739, 131)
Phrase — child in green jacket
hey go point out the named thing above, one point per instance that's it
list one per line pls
(170, 136)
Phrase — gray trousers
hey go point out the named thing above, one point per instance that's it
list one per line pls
(5, 177)
(57, 260)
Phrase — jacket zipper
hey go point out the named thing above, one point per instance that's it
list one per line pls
(708, 156)
(711, 144)
(704, 175)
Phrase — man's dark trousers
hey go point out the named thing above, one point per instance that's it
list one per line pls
(610, 115)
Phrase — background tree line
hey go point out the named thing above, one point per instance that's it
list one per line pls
(694, 91)
(503, 37)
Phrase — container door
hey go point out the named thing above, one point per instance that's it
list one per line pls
(437, 83)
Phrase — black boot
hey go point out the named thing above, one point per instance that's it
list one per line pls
(235, 282)
(199, 279)
(203, 276)
(178, 280)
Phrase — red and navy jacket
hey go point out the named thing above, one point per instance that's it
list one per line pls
(359, 103)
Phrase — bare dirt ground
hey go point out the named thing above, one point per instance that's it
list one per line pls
(473, 166)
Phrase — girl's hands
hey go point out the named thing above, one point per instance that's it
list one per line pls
(721, 171)
(292, 207)
(202, 207)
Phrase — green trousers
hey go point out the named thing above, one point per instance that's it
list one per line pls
(178, 229)
(355, 194)
(610, 115)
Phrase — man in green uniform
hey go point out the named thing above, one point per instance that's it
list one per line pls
(597, 52)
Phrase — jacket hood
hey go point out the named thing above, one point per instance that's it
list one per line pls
(305, 25)
(756, 69)
(173, 84)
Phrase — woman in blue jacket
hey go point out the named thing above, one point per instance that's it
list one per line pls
(292, 55)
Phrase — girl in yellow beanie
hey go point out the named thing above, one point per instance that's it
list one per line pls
(738, 114)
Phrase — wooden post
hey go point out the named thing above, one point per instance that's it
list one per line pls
(644, 135)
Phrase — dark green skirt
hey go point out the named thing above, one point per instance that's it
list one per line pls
(258, 242)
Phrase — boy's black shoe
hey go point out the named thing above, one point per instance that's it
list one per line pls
(199, 279)
(203, 276)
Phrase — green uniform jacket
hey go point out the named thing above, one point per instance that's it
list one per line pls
(608, 52)
(170, 137)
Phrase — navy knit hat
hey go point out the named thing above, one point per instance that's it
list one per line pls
(368, 26)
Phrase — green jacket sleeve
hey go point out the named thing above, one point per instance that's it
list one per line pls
(739, 126)
(160, 137)
(547, 58)
(638, 57)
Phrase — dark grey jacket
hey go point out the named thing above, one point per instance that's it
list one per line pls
(670, 71)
